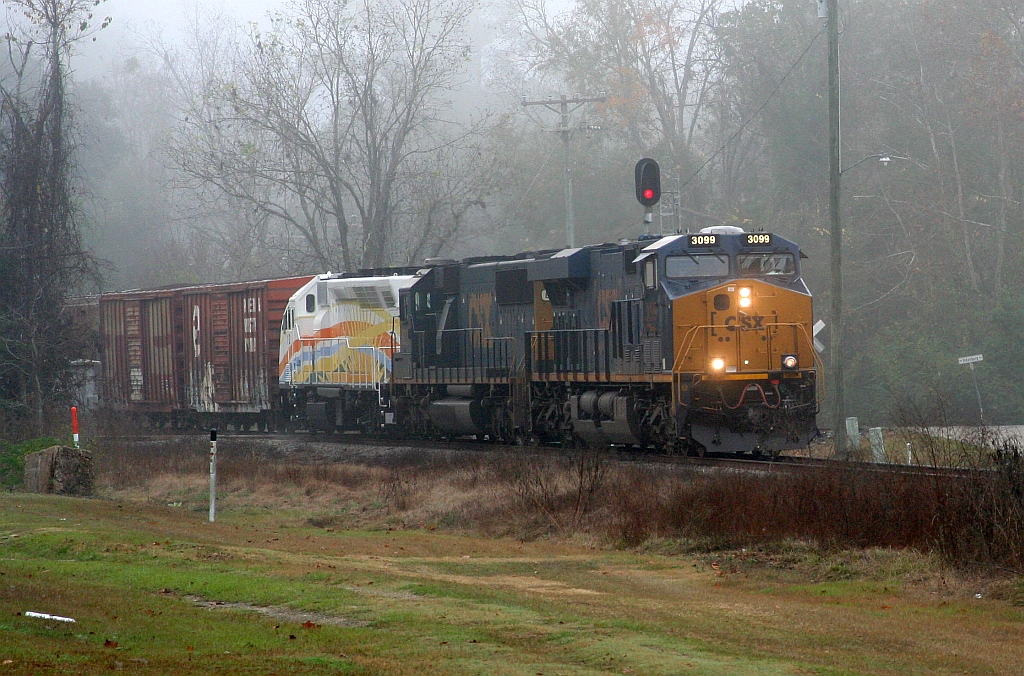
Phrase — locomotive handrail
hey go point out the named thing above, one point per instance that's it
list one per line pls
(369, 371)
(570, 355)
(479, 363)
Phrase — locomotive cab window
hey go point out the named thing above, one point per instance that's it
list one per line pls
(310, 303)
(766, 265)
(704, 265)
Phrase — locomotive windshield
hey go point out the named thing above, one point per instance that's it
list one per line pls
(703, 265)
(766, 264)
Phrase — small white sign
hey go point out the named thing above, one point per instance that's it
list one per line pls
(818, 326)
(970, 360)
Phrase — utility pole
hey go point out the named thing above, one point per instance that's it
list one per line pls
(566, 107)
(836, 229)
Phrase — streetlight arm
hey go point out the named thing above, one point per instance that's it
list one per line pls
(865, 159)
(884, 158)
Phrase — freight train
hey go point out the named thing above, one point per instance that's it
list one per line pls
(688, 342)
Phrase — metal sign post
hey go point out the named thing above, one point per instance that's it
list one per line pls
(213, 475)
(970, 361)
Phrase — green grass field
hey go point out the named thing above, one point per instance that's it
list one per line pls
(159, 590)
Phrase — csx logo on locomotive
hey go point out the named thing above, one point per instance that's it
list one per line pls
(732, 322)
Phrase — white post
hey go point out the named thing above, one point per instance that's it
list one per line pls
(213, 475)
(877, 445)
(852, 434)
(910, 458)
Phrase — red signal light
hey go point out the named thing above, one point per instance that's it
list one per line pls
(648, 182)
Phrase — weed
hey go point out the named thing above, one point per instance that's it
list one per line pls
(968, 520)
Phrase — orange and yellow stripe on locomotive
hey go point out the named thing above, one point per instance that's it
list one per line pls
(341, 332)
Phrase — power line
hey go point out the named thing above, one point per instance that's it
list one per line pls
(528, 189)
(566, 107)
(755, 113)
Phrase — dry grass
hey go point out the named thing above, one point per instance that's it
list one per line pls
(967, 521)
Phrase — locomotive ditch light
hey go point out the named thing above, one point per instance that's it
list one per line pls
(789, 362)
(718, 363)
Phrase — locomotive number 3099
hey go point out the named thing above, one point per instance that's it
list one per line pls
(759, 238)
(703, 240)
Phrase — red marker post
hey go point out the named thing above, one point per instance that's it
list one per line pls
(74, 423)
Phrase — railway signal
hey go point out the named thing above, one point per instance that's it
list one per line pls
(648, 182)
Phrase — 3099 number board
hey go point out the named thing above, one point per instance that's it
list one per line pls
(758, 239)
(704, 240)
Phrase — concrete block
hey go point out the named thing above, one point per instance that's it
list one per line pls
(60, 470)
(877, 445)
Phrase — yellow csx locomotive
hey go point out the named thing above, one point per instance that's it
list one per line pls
(690, 342)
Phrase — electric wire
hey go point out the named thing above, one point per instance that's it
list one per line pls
(756, 113)
(526, 193)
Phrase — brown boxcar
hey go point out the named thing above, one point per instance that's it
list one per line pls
(196, 354)
(231, 344)
(141, 339)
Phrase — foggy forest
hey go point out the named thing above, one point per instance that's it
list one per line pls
(339, 135)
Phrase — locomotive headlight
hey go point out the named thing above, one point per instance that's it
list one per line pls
(718, 363)
(744, 292)
(744, 302)
(789, 362)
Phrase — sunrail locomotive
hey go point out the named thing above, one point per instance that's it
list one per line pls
(689, 342)
(339, 334)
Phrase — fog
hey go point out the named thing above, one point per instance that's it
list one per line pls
(209, 150)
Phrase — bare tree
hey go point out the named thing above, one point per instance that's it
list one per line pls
(42, 259)
(656, 59)
(324, 123)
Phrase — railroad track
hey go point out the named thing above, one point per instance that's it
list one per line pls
(302, 446)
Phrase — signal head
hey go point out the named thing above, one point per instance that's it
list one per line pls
(648, 182)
